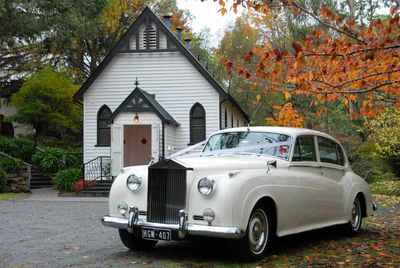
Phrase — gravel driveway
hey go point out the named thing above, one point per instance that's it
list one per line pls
(70, 234)
(64, 234)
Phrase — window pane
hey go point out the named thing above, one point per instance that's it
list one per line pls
(198, 111)
(197, 134)
(197, 124)
(103, 123)
(103, 129)
(327, 151)
(296, 153)
(104, 137)
(197, 121)
(307, 148)
(105, 114)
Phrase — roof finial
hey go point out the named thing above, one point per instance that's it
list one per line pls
(137, 82)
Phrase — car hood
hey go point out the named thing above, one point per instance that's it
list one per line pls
(225, 162)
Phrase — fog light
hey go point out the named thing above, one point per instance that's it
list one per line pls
(122, 208)
(209, 215)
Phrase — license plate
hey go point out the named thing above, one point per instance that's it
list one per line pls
(156, 234)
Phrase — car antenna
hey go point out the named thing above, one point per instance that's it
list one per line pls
(248, 126)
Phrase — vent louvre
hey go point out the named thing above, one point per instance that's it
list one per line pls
(152, 38)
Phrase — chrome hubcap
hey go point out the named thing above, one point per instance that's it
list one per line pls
(258, 231)
(355, 215)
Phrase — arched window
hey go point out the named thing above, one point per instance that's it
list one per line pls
(103, 129)
(197, 124)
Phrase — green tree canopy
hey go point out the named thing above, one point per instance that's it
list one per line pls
(46, 99)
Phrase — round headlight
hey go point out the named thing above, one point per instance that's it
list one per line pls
(209, 215)
(122, 208)
(206, 186)
(133, 183)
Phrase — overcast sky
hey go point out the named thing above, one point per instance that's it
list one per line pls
(206, 14)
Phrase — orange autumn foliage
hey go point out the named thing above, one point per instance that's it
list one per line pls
(338, 61)
(287, 117)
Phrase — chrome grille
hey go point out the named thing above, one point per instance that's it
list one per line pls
(166, 192)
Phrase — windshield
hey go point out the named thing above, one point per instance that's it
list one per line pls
(263, 143)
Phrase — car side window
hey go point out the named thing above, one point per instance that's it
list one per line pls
(304, 149)
(330, 151)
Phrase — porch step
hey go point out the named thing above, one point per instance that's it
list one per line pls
(98, 189)
(39, 180)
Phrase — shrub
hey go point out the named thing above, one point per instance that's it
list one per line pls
(3, 180)
(10, 165)
(364, 159)
(65, 180)
(75, 159)
(17, 147)
(386, 187)
(79, 185)
(49, 160)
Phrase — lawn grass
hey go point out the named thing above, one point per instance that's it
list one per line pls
(11, 196)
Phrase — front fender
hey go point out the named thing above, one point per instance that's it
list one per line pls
(120, 192)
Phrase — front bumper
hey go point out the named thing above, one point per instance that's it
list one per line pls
(183, 228)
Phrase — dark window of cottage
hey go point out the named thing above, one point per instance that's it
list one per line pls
(103, 129)
(197, 124)
(304, 149)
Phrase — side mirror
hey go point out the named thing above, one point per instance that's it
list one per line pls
(271, 163)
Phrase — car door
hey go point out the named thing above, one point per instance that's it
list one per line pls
(304, 165)
(332, 163)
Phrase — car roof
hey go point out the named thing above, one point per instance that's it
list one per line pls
(291, 131)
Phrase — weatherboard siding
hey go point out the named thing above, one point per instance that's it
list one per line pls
(176, 83)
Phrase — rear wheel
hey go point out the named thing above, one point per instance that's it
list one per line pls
(353, 227)
(133, 242)
(254, 245)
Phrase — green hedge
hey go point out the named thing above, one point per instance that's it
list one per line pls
(10, 165)
(17, 147)
(65, 180)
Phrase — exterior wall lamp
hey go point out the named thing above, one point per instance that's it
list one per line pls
(136, 119)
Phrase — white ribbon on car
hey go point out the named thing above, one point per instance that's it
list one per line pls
(260, 147)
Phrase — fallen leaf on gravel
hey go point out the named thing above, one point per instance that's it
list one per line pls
(385, 255)
(275, 256)
(341, 263)
(134, 262)
(28, 237)
(146, 262)
(76, 248)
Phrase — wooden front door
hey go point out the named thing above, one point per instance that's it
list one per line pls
(137, 145)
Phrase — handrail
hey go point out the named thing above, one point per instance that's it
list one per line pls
(95, 169)
(29, 168)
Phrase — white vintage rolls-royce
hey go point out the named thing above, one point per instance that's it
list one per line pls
(247, 185)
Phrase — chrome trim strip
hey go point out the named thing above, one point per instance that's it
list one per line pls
(190, 229)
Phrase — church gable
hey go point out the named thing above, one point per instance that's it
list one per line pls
(148, 36)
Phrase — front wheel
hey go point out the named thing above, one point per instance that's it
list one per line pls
(353, 227)
(132, 242)
(254, 245)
